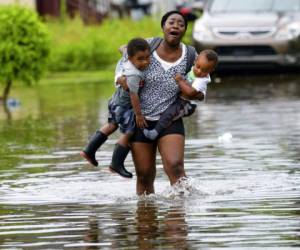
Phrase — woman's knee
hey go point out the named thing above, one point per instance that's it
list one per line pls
(171, 148)
(145, 178)
(174, 167)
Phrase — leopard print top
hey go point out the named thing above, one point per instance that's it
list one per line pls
(160, 89)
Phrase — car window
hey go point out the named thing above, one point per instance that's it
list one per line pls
(286, 5)
(218, 6)
(254, 5)
(240, 6)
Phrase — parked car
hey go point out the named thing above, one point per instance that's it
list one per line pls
(251, 31)
(190, 8)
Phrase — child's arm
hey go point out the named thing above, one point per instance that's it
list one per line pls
(187, 90)
(133, 85)
(135, 102)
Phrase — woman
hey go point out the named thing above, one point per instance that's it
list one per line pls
(158, 92)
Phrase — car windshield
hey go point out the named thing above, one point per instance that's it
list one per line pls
(254, 5)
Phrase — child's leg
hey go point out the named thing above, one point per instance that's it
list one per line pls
(108, 128)
(166, 118)
(124, 140)
(119, 155)
(96, 141)
(188, 109)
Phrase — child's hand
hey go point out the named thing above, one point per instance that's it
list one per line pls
(123, 82)
(140, 121)
(141, 84)
(123, 49)
(178, 77)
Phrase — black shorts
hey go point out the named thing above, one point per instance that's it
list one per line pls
(122, 116)
(177, 127)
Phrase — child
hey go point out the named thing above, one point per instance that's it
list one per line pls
(124, 109)
(194, 87)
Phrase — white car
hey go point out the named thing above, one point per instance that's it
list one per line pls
(250, 32)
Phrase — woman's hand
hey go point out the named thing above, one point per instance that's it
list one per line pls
(140, 121)
(122, 81)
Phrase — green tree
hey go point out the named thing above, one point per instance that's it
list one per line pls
(24, 46)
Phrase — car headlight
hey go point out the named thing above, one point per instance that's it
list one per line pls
(288, 32)
(202, 33)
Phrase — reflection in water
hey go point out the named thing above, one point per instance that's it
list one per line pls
(244, 190)
(153, 224)
(176, 228)
(92, 235)
(161, 225)
(147, 224)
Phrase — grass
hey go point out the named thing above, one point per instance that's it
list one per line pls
(81, 54)
(77, 47)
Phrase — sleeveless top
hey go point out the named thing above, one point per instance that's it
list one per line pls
(160, 89)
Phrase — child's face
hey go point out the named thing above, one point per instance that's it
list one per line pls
(203, 67)
(141, 59)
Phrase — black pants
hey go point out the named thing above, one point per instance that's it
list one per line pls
(176, 110)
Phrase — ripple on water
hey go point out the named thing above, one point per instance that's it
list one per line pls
(243, 191)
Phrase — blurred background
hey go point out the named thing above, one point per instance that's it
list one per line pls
(261, 33)
(242, 145)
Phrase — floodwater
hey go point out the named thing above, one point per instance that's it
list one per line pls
(242, 156)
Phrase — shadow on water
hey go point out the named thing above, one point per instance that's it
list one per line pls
(242, 155)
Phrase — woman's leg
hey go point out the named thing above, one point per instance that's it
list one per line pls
(171, 148)
(143, 155)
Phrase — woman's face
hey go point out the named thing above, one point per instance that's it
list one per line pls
(174, 29)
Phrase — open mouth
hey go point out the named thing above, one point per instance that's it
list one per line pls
(174, 33)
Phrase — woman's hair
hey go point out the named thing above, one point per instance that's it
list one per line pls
(166, 16)
(135, 45)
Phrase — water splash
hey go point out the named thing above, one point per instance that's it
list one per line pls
(184, 187)
(225, 138)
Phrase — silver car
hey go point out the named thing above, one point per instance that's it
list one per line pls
(251, 32)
